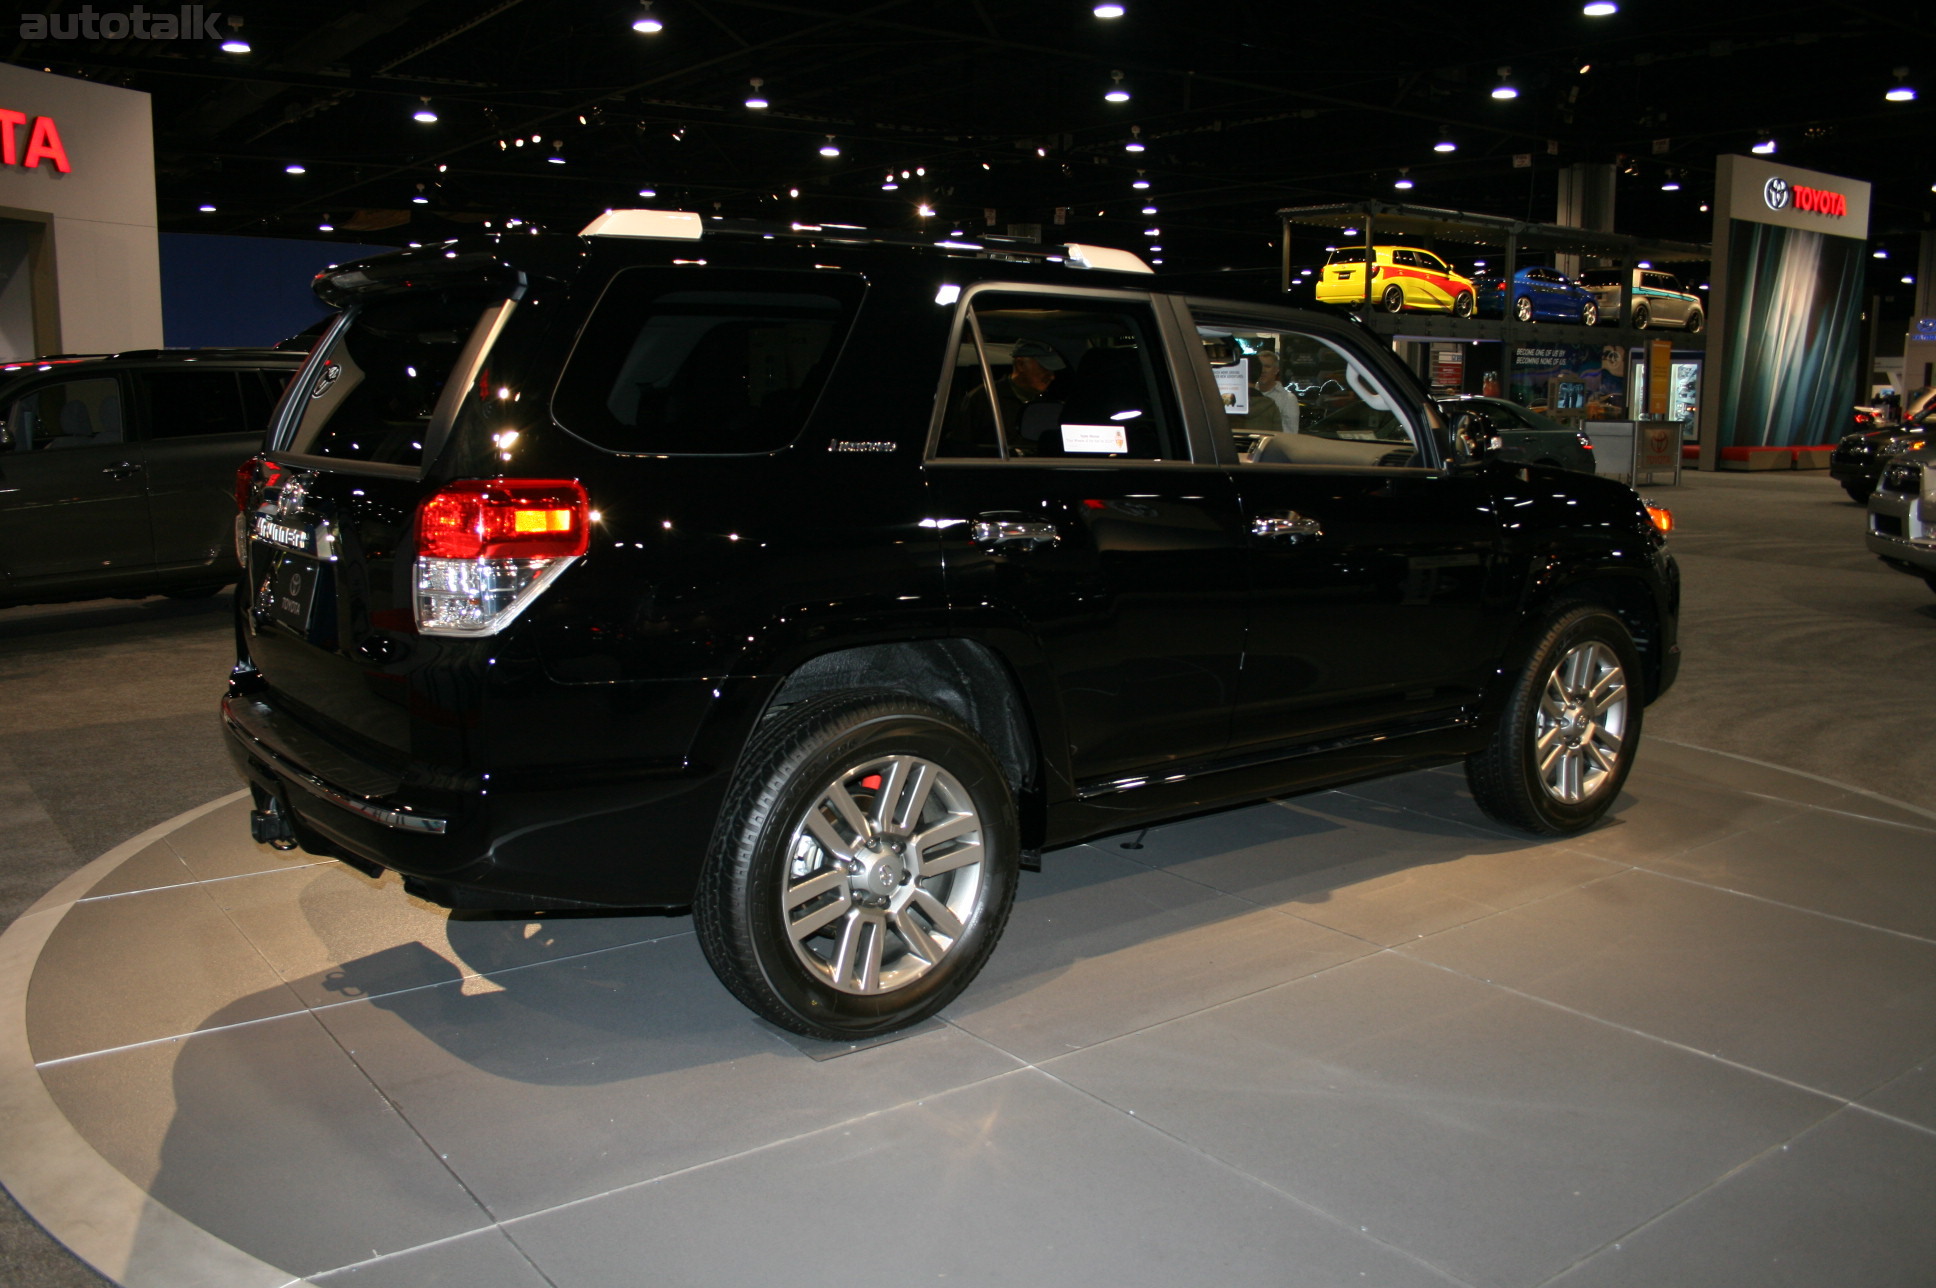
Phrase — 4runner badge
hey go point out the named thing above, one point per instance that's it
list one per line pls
(844, 445)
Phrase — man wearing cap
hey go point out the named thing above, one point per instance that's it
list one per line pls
(1034, 365)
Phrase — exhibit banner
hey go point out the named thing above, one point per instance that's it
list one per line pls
(1785, 308)
(1588, 380)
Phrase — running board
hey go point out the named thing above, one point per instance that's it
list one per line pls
(1250, 760)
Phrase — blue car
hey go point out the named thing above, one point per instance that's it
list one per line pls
(1539, 295)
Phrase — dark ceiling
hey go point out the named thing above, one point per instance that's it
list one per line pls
(1245, 107)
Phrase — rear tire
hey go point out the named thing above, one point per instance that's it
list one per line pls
(1393, 300)
(1570, 727)
(863, 867)
(1523, 309)
(1695, 322)
(1462, 304)
(1589, 314)
(1641, 317)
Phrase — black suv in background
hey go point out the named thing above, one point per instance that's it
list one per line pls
(820, 583)
(117, 472)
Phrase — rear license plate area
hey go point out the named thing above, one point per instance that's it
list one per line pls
(293, 582)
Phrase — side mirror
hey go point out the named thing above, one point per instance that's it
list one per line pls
(1473, 431)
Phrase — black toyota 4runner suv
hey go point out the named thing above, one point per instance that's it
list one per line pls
(820, 582)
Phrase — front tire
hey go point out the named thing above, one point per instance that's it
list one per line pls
(1570, 728)
(863, 867)
(1393, 300)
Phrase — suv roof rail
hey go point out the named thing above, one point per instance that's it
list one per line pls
(685, 225)
(192, 354)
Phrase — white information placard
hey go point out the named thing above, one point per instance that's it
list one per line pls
(1094, 438)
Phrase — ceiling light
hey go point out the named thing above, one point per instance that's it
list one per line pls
(1902, 91)
(326, 226)
(829, 148)
(1135, 143)
(424, 112)
(1908, 280)
(924, 210)
(1149, 210)
(206, 208)
(1403, 182)
(1764, 146)
(647, 23)
(1704, 207)
(1116, 93)
(1139, 183)
(1504, 88)
(294, 167)
(1152, 232)
(1877, 253)
(420, 199)
(1599, 8)
(1446, 143)
(756, 100)
(557, 156)
(793, 192)
(888, 184)
(1672, 185)
(235, 44)
(1109, 11)
(1349, 232)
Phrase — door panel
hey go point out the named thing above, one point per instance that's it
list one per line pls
(73, 501)
(199, 433)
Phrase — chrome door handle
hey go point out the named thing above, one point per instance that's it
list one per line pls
(1027, 533)
(1289, 524)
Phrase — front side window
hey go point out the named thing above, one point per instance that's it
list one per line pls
(71, 413)
(1292, 398)
(704, 362)
(371, 395)
(1059, 376)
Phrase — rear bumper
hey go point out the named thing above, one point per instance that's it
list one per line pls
(625, 836)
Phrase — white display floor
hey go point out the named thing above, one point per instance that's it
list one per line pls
(1355, 1037)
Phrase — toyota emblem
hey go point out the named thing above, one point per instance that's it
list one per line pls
(1775, 192)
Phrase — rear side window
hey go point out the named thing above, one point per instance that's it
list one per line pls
(372, 395)
(191, 403)
(704, 363)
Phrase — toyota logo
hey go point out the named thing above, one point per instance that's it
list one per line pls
(1775, 192)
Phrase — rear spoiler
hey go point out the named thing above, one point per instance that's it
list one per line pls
(431, 268)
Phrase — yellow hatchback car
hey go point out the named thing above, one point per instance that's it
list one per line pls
(1402, 277)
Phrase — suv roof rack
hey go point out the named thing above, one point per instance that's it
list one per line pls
(685, 225)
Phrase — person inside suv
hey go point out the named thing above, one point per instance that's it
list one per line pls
(1034, 366)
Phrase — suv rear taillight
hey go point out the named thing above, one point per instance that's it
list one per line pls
(486, 548)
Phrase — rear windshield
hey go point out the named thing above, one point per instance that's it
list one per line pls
(674, 361)
(1348, 255)
(371, 396)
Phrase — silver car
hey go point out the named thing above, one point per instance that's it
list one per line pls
(1658, 299)
(1902, 515)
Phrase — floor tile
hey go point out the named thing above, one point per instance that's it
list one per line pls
(1911, 1097)
(1831, 1005)
(1848, 1203)
(1097, 946)
(336, 935)
(1875, 873)
(152, 867)
(1370, 869)
(485, 1259)
(266, 1136)
(1015, 1181)
(567, 1079)
(1495, 1137)
(145, 966)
